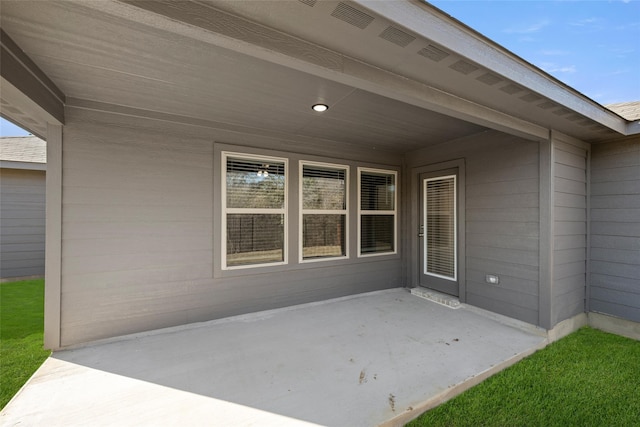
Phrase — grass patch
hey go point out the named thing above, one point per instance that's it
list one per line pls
(589, 378)
(21, 334)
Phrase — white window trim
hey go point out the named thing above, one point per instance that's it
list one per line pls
(455, 227)
(394, 212)
(225, 211)
(303, 211)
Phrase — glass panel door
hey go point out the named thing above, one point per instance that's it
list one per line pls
(438, 232)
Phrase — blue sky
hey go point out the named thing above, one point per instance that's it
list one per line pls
(591, 45)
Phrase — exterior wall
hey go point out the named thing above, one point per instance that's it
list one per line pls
(22, 224)
(615, 229)
(568, 289)
(140, 242)
(502, 219)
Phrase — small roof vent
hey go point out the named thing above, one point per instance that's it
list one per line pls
(547, 104)
(511, 89)
(561, 112)
(489, 79)
(433, 53)
(309, 2)
(531, 97)
(352, 16)
(397, 36)
(464, 67)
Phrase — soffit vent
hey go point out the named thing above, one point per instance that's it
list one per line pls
(573, 117)
(433, 53)
(397, 36)
(309, 2)
(547, 104)
(532, 97)
(352, 16)
(561, 112)
(511, 89)
(489, 79)
(463, 67)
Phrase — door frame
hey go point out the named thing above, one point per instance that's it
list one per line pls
(415, 189)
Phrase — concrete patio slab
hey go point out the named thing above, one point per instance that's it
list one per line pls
(371, 359)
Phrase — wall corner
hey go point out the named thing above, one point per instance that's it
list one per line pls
(546, 230)
(53, 245)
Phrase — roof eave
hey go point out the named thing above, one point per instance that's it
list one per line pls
(432, 23)
(7, 164)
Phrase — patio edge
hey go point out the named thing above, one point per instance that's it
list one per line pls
(561, 330)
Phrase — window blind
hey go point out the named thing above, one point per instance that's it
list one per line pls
(377, 212)
(377, 191)
(440, 226)
(323, 188)
(324, 211)
(255, 211)
(255, 184)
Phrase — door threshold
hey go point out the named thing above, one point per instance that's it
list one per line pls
(438, 297)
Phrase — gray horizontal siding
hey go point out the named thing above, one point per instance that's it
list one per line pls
(502, 219)
(568, 293)
(145, 305)
(138, 244)
(615, 229)
(22, 223)
(136, 228)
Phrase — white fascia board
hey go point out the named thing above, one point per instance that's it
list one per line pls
(429, 22)
(7, 164)
(633, 128)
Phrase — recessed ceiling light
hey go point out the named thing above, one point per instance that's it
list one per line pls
(319, 108)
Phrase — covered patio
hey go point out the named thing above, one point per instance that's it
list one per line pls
(379, 358)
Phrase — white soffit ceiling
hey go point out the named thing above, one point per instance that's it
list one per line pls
(351, 28)
(111, 60)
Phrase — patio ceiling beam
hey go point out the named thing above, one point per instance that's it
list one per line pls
(207, 24)
(29, 97)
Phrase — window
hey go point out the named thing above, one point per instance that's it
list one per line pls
(254, 210)
(324, 210)
(377, 211)
(440, 227)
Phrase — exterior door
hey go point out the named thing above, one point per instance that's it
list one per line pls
(438, 236)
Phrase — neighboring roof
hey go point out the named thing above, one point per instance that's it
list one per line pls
(20, 152)
(628, 110)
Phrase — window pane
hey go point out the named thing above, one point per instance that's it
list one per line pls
(255, 184)
(377, 191)
(376, 234)
(254, 239)
(440, 227)
(323, 188)
(323, 236)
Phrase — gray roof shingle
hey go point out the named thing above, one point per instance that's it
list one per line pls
(26, 149)
(628, 110)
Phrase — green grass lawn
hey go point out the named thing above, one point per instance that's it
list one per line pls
(590, 378)
(21, 332)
